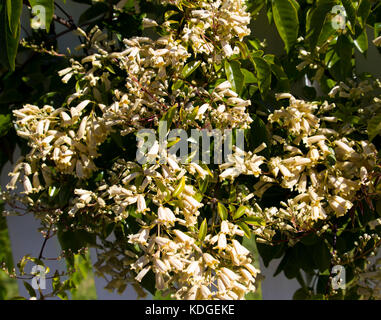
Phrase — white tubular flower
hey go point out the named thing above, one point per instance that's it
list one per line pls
(223, 86)
(222, 243)
(183, 237)
(141, 237)
(193, 268)
(251, 269)
(142, 273)
(141, 203)
(176, 263)
(194, 204)
(166, 216)
(160, 266)
(194, 167)
(82, 129)
(339, 205)
(314, 139)
(65, 117)
(149, 23)
(12, 184)
(238, 102)
(343, 148)
(28, 188)
(225, 227)
(210, 261)
(205, 292)
(159, 281)
(240, 249)
(377, 41)
(230, 274)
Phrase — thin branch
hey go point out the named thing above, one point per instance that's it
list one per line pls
(65, 13)
(44, 244)
(68, 24)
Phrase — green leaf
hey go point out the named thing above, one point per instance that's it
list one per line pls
(350, 10)
(322, 256)
(30, 289)
(234, 75)
(245, 228)
(168, 117)
(49, 10)
(286, 19)
(21, 265)
(14, 9)
(300, 294)
(9, 40)
(189, 68)
(255, 221)
(248, 76)
(240, 212)
(315, 21)
(343, 68)
(222, 211)
(258, 134)
(5, 124)
(203, 230)
(374, 126)
(263, 71)
(363, 12)
(177, 85)
(270, 252)
(203, 184)
(254, 6)
(362, 42)
(377, 29)
(96, 10)
(283, 81)
(327, 31)
(179, 188)
(74, 241)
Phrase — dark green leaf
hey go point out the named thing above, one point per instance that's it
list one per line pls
(249, 76)
(300, 294)
(240, 212)
(286, 20)
(255, 221)
(258, 134)
(14, 9)
(245, 228)
(263, 71)
(180, 187)
(9, 41)
(350, 10)
(374, 126)
(234, 75)
(363, 12)
(30, 289)
(322, 256)
(222, 211)
(5, 124)
(362, 42)
(315, 21)
(93, 12)
(203, 230)
(269, 252)
(189, 68)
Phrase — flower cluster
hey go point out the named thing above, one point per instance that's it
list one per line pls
(323, 167)
(175, 228)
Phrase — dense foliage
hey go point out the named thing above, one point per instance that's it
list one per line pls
(305, 188)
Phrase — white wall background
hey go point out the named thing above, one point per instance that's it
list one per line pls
(23, 230)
